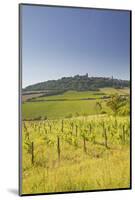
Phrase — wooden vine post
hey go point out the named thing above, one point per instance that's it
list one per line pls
(50, 128)
(84, 144)
(72, 127)
(62, 126)
(106, 139)
(105, 136)
(123, 130)
(58, 148)
(32, 153)
(76, 130)
(90, 128)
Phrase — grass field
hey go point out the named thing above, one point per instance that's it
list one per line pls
(74, 95)
(124, 91)
(72, 106)
(58, 109)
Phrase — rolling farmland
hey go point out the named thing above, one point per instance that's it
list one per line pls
(74, 142)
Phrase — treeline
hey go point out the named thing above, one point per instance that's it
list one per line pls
(78, 83)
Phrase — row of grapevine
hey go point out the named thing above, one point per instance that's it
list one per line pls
(76, 132)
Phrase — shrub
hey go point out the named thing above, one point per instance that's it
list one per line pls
(85, 114)
(44, 118)
(103, 112)
(69, 115)
(37, 118)
(77, 114)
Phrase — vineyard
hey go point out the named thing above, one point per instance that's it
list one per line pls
(80, 153)
(74, 100)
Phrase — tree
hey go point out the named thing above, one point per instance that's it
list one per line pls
(98, 106)
(125, 107)
(115, 103)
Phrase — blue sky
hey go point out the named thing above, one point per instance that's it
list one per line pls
(59, 42)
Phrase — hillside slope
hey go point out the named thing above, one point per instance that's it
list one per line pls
(78, 83)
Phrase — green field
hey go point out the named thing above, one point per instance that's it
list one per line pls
(58, 109)
(74, 95)
(76, 103)
(124, 91)
(78, 143)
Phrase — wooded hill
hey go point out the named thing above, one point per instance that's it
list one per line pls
(78, 83)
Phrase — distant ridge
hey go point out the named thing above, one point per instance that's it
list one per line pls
(78, 83)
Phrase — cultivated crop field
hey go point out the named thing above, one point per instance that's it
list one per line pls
(76, 141)
(80, 153)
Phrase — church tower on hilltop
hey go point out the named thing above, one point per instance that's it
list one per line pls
(86, 75)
